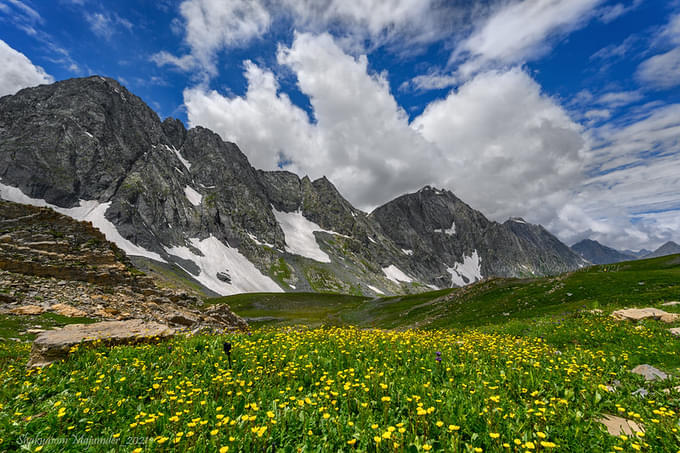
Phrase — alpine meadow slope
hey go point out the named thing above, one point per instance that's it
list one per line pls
(191, 202)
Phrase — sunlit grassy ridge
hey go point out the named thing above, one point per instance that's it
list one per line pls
(345, 389)
(494, 301)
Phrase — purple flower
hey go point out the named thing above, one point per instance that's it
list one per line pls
(439, 356)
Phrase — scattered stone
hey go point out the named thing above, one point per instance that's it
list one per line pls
(55, 345)
(675, 331)
(617, 426)
(638, 314)
(672, 303)
(595, 311)
(649, 372)
(27, 310)
(643, 392)
(32, 331)
(103, 313)
(68, 310)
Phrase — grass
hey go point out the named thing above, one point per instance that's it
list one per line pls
(280, 272)
(342, 389)
(291, 308)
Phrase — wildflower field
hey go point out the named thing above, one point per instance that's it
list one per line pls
(524, 386)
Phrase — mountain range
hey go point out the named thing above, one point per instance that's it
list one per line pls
(186, 200)
(597, 253)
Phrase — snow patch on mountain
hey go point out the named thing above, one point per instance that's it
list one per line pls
(90, 211)
(450, 231)
(469, 271)
(299, 234)
(194, 197)
(396, 275)
(374, 289)
(219, 258)
(258, 242)
(185, 162)
(407, 252)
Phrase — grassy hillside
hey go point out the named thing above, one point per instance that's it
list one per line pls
(494, 301)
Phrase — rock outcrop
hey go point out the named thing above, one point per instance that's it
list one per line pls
(638, 314)
(55, 345)
(444, 238)
(617, 426)
(52, 263)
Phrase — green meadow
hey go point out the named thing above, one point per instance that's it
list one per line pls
(503, 365)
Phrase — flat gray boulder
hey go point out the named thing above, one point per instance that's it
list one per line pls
(55, 345)
(649, 372)
(638, 314)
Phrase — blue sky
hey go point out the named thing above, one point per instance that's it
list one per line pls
(565, 112)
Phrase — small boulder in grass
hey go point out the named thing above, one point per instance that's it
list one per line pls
(649, 372)
(617, 426)
(638, 314)
(55, 345)
(675, 331)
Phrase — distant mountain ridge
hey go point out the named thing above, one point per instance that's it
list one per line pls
(597, 253)
(669, 248)
(94, 151)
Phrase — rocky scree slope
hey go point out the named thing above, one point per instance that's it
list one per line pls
(52, 263)
(92, 150)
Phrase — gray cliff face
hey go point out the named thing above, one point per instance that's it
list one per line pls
(73, 140)
(168, 187)
(441, 230)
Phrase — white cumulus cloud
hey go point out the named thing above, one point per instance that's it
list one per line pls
(508, 148)
(17, 71)
(498, 123)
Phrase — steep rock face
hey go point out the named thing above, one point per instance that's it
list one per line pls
(440, 232)
(597, 253)
(92, 150)
(542, 251)
(73, 140)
